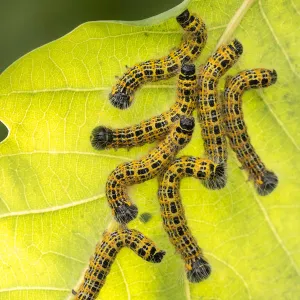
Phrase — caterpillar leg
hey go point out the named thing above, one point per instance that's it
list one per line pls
(146, 168)
(172, 211)
(105, 254)
(125, 213)
(267, 184)
(200, 270)
(265, 181)
(101, 137)
(120, 100)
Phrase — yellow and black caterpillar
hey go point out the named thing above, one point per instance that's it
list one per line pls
(105, 254)
(210, 107)
(154, 128)
(165, 67)
(144, 169)
(265, 181)
(172, 211)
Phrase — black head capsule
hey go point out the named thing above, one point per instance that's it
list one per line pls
(188, 69)
(125, 213)
(187, 123)
(216, 183)
(101, 137)
(218, 179)
(238, 47)
(270, 182)
(120, 100)
(200, 271)
(274, 76)
(158, 256)
(183, 17)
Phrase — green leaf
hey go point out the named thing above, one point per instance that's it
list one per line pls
(53, 208)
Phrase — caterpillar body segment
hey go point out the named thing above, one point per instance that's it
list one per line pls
(172, 211)
(105, 254)
(265, 180)
(156, 127)
(144, 169)
(209, 108)
(122, 93)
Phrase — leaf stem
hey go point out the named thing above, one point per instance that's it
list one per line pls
(234, 22)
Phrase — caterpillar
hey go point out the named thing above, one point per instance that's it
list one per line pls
(158, 69)
(265, 181)
(209, 108)
(172, 211)
(144, 169)
(157, 127)
(105, 254)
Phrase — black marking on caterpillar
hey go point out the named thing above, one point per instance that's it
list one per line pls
(172, 211)
(156, 127)
(265, 181)
(165, 67)
(105, 254)
(139, 171)
(210, 107)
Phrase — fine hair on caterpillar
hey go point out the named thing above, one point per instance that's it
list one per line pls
(155, 128)
(138, 171)
(122, 93)
(172, 211)
(105, 254)
(265, 181)
(209, 108)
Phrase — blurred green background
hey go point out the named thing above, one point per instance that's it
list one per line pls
(26, 25)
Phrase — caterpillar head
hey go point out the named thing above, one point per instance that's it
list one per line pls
(101, 137)
(183, 17)
(268, 77)
(269, 183)
(120, 100)
(188, 69)
(274, 76)
(218, 177)
(229, 54)
(156, 255)
(125, 213)
(200, 270)
(187, 124)
(238, 47)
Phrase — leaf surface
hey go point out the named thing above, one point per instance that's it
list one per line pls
(53, 208)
